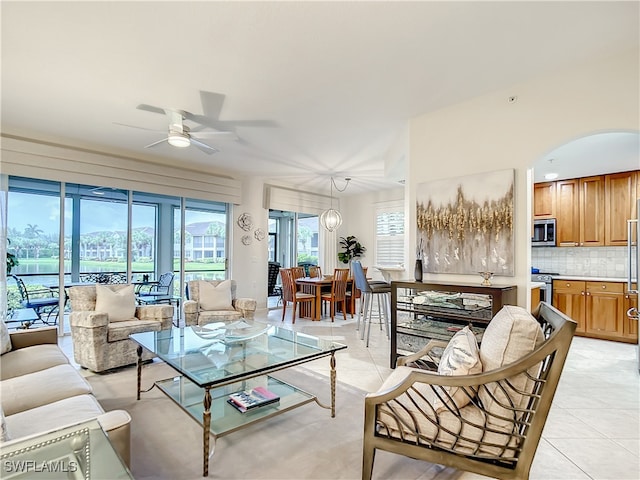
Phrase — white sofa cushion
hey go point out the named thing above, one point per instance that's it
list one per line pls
(31, 359)
(460, 357)
(512, 333)
(40, 388)
(119, 305)
(66, 411)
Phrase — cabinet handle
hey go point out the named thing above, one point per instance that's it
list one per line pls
(582, 293)
(604, 287)
(588, 294)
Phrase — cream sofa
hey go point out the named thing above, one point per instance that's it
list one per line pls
(215, 301)
(100, 339)
(41, 391)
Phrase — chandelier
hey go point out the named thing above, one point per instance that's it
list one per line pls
(331, 218)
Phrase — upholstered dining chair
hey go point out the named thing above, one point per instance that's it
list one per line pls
(290, 293)
(338, 293)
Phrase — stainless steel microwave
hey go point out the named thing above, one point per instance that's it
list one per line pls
(544, 233)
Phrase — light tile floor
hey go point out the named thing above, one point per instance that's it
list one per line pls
(593, 430)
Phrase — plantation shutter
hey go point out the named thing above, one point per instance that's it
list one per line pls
(390, 235)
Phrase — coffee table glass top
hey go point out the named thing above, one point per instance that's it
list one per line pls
(221, 353)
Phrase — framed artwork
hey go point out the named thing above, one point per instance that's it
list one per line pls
(465, 224)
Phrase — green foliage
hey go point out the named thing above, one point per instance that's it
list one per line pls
(12, 260)
(352, 248)
(306, 258)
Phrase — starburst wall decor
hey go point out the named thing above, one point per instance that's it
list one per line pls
(465, 224)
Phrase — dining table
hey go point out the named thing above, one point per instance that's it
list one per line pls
(315, 286)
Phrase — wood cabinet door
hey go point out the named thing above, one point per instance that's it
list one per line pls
(569, 298)
(605, 309)
(620, 206)
(567, 213)
(592, 211)
(544, 200)
(630, 327)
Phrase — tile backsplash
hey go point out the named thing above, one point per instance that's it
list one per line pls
(610, 262)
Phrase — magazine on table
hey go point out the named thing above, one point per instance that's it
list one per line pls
(256, 397)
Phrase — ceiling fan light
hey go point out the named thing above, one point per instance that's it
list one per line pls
(179, 140)
(331, 219)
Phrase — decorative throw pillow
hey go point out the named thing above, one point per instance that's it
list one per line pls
(512, 333)
(215, 297)
(5, 339)
(460, 357)
(119, 305)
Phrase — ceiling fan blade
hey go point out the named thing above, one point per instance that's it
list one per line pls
(156, 143)
(151, 108)
(139, 128)
(227, 125)
(212, 103)
(193, 134)
(204, 147)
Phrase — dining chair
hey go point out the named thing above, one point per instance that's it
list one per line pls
(338, 293)
(315, 271)
(290, 293)
(381, 291)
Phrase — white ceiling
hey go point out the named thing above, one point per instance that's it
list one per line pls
(340, 80)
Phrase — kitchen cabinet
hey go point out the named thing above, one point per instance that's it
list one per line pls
(421, 311)
(568, 297)
(620, 206)
(592, 211)
(568, 213)
(544, 200)
(630, 327)
(597, 307)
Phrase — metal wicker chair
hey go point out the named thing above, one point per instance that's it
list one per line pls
(496, 434)
(43, 301)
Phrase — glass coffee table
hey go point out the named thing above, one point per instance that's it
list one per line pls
(218, 359)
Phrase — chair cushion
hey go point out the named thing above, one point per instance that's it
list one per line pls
(215, 297)
(218, 316)
(31, 359)
(120, 305)
(460, 357)
(121, 330)
(512, 333)
(413, 413)
(39, 388)
(5, 339)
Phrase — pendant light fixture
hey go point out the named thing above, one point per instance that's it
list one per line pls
(331, 218)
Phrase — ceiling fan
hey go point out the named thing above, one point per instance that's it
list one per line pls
(181, 135)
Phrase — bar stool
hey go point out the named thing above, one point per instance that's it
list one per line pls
(380, 291)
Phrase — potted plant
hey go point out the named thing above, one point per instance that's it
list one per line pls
(352, 248)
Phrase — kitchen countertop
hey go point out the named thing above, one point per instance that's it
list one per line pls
(536, 285)
(590, 279)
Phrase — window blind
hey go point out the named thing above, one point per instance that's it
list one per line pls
(389, 235)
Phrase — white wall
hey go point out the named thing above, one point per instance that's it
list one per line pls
(488, 133)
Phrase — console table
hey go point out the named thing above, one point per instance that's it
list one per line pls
(421, 311)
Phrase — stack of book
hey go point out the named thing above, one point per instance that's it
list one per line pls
(254, 398)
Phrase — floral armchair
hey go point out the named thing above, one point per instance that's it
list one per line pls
(102, 318)
(215, 301)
